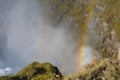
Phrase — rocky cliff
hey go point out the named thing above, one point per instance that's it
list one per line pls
(100, 19)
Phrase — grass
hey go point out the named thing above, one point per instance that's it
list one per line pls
(98, 70)
(48, 76)
(36, 68)
(36, 71)
(106, 69)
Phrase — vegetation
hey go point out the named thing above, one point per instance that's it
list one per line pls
(82, 12)
(105, 69)
(37, 68)
(36, 71)
(111, 14)
(99, 70)
(50, 76)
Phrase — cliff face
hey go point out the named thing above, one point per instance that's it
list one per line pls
(98, 18)
(104, 31)
(105, 37)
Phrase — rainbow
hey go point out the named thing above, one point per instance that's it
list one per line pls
(84, 36)
(81, 50)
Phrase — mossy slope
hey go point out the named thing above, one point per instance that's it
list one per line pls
(33, 70)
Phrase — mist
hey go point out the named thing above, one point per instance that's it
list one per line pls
(25, 37)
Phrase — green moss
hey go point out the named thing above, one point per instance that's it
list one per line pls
(37, 71)
(36, 68)
(48, 76)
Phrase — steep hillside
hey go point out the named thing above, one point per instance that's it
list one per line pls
(97, 19)
(105, 69)
(105, 28)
